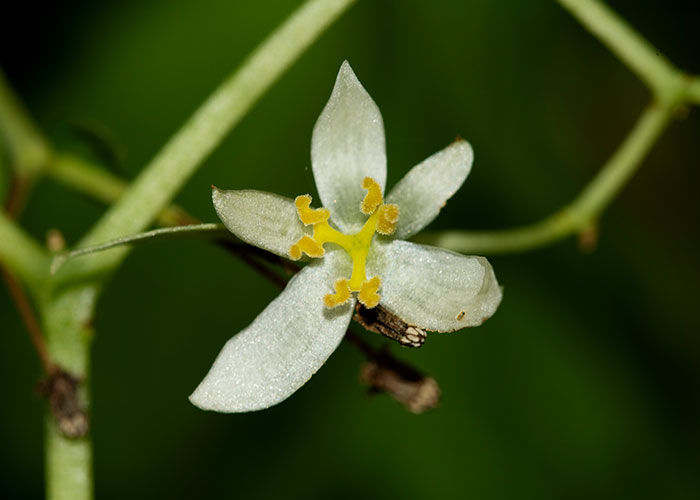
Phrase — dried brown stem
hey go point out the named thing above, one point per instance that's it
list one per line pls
(383, 373)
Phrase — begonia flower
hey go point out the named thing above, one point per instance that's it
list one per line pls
(357, 246)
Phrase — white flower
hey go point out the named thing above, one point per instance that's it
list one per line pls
(430, 288)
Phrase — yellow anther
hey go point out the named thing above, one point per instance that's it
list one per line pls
(341, 295)
(382, 219)
(368, 295)
(308, 215)
(388, 217)
(307, 245)
(373, 198)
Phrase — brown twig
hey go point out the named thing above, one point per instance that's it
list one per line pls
(253, 257)
(31, 325)
(383, 373)
(21, 185)
(17, 196)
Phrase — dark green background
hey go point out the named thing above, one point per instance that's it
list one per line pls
(583, 385)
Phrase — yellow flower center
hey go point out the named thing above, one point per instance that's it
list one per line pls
(382, 219)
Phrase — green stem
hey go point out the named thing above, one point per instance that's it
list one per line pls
(67, 320)
(628, 45)
(177, 161)
(101, 185)
(21, 254)
(26, 145)
(582, 211)
(68, 465)
(86, 177)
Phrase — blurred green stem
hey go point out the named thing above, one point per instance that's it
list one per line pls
(101, 185)
(21, 254)
(27, 147)
(579, 214)
(670, 89)
(628, 45)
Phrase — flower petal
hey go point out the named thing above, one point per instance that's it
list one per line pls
(424, 190)
(347, 145)
(285, 345)
(266, 220)
(433, 288)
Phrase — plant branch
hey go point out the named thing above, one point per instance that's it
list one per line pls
(21, 254)
(94, 181)
(28, 317)
(584, 210)
(628, 45)
(153, 189)
(26, 145)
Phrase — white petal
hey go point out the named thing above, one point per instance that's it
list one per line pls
(285, 345)
(266, 220)
(433, 288)
(347, 145)
(426, 188)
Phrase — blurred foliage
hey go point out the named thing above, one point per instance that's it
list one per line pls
(4, 175)
(583, 385)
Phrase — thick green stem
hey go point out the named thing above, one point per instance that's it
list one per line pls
(20, 253)
(582, 211)
(26, 145)
(628, 45)
(67, 323)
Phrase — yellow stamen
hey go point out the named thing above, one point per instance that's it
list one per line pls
(341, 295)
(308, 215)
(307, 245)
(373, 198)
(368, 295)
(382, 219)
(388, 217)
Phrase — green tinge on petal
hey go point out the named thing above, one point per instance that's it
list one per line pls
(425, 189)
(433, 288)
(266, 220)
(284, 346)
(347, 145)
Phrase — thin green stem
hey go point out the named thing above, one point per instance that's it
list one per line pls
(162, 178)
(96, 182)
(584, 210)
(209, 230)
(628, 45)
(26, 145)
(86, 177)
(20, 253)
